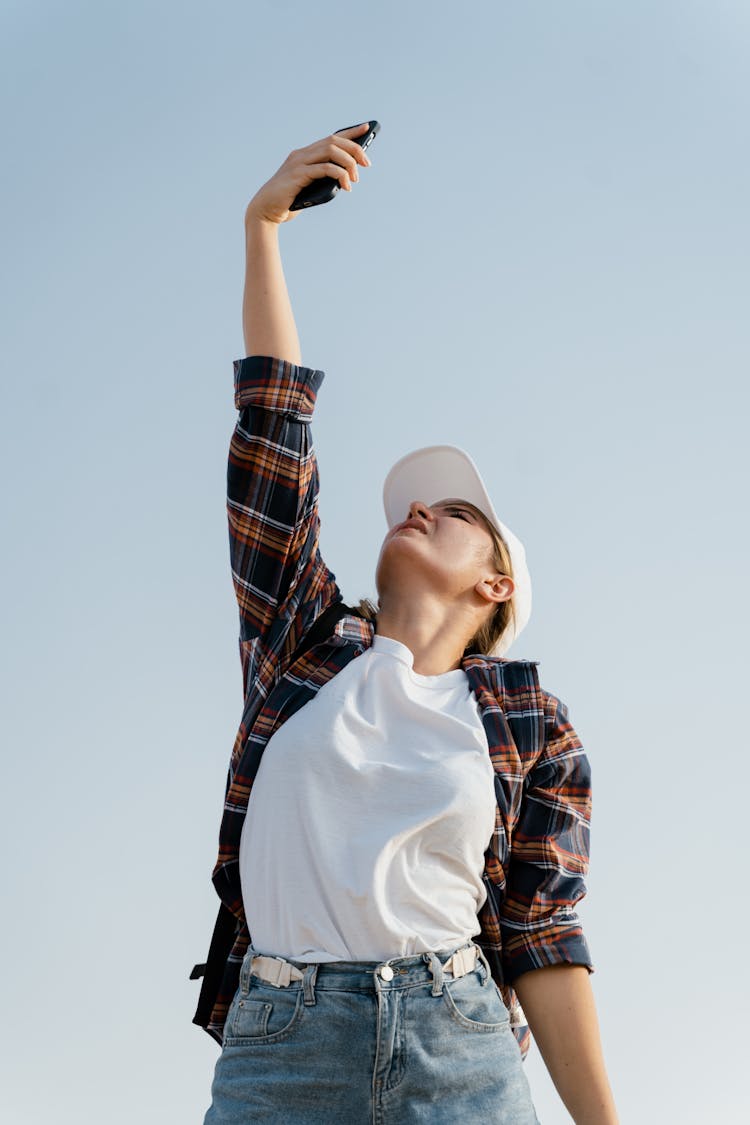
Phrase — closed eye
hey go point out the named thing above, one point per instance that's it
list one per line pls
(460, 513)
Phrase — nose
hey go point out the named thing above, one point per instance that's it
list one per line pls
(419, 509)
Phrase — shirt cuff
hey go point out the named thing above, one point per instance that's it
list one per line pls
(562, 949)
(276, 385)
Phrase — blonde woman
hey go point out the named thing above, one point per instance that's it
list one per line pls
(405, 828)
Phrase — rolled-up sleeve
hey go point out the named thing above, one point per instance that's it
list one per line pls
(549, 855)
(276, 385)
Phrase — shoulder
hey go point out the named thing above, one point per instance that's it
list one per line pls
(518, 692)
(506, 677)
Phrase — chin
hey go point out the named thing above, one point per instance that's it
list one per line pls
(401, 562)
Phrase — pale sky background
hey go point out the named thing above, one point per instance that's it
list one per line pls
(547, 264)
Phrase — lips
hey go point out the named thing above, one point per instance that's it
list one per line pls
(414, 522)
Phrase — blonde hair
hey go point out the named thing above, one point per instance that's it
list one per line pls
(503, 615)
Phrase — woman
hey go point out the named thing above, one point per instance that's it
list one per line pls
(394, 791)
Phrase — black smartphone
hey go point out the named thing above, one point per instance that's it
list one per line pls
(321, 191)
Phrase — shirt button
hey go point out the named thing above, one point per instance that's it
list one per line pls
(386, 972)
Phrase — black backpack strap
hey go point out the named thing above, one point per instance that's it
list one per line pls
(222, 941)
(322, 627)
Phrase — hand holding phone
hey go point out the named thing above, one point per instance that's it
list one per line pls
(312, 175)
(323, 190)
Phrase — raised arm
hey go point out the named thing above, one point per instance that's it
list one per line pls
(280, 580)
(267, 318)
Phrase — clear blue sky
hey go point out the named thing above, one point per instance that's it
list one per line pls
(547, 264)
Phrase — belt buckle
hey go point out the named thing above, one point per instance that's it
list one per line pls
(273, 970)
(462, 961)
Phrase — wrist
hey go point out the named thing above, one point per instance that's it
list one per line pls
(255, 222)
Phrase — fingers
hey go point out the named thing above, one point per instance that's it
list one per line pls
(328, 168)
(353, 130)
(349, 158)
(335, 147)
(329, 157)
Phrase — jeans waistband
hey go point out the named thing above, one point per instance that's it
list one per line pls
(374, 976)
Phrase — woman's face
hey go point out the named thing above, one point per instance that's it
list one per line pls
(446, 546)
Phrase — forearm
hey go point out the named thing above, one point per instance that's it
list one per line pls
(267, 317)
(559, 1005)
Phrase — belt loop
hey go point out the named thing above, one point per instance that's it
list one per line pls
(488, 971)
(437, 975)
(308, 982)
(245, 970)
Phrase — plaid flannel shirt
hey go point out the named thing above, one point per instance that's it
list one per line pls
(538, 854)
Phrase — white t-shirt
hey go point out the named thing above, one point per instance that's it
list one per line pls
(369, 817)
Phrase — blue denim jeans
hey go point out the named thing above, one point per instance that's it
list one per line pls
(344, 1046)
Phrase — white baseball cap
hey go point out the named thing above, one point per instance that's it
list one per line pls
(439, 472)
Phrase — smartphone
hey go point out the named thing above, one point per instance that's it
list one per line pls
(321, 191)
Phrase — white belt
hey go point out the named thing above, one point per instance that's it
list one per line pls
(463, 961)
(275, 970)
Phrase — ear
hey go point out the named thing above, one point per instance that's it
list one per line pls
(496, 588)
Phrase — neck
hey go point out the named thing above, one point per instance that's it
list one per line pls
(436, 634)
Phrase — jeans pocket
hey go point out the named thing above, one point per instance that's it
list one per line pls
(263, 1014)
(475, 1003)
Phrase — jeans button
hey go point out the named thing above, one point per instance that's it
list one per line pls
(386, 972)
